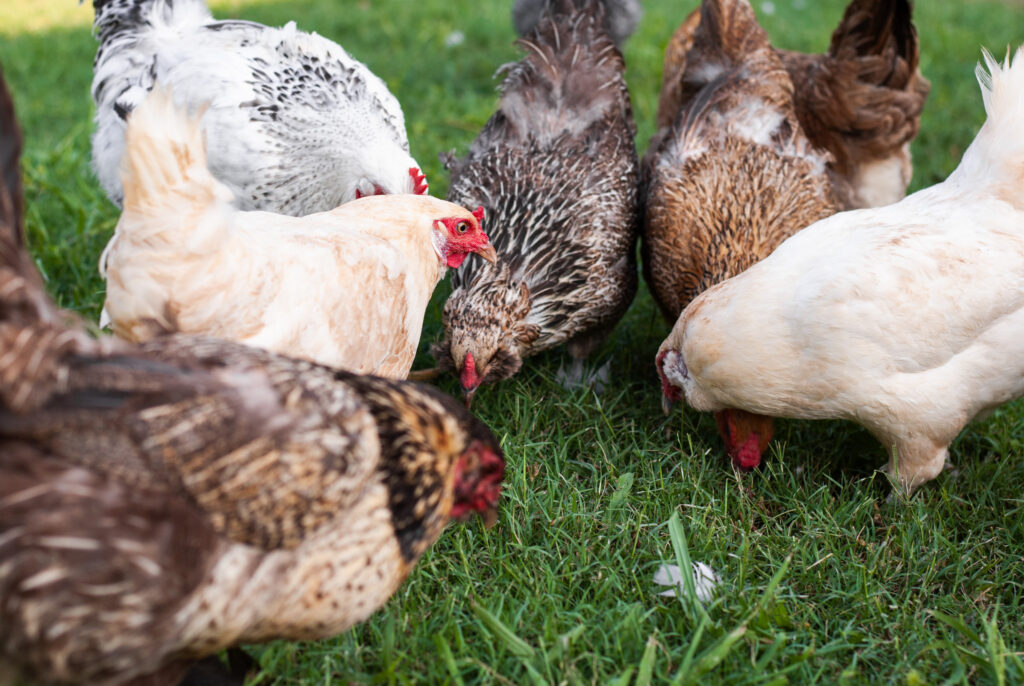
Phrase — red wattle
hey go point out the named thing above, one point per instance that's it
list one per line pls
(469, 378)
(455, 259)
(748, 456)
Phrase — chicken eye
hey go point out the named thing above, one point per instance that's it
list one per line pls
(462, 227)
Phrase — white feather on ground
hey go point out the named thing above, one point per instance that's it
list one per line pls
(705, 581)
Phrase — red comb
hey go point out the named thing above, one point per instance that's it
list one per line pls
(479, 214)
(419, 181)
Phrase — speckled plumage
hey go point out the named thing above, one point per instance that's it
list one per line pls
(164, 501)
(861, 101)
(293, 123)
(556, 169)
(734, 175)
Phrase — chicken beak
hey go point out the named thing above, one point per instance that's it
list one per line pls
(490, 517)
(667, 404)
(488, 253)
(469, 393)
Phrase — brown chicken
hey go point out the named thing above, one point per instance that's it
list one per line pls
(556, 170)
(164, 501)
(861, 101)
(729, 180)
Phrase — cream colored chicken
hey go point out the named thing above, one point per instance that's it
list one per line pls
(908, 319)
(346, 288)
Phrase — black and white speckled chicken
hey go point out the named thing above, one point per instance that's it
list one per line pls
(162, 502)
(293, 124)
(556, 169)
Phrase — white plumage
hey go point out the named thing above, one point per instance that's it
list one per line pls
(908, 319)
(293, 124)
(346, 288)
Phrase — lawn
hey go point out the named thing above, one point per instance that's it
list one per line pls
(824, 578)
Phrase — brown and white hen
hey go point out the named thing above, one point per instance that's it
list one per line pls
(861, 101)
(161, 502)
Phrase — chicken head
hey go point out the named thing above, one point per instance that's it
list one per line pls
(456, 237)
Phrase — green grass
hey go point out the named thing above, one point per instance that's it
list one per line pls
(824, 579)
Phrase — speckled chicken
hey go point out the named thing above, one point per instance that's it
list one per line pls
(733, 177)
(556, 170)
(161, 502)
(861, 101)
(908, 319)
(346, 288)
(294, 125)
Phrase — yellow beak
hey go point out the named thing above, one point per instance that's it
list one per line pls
(488, 253)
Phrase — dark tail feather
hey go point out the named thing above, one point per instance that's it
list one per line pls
(10, 153)
(874, 27)
(33, 332)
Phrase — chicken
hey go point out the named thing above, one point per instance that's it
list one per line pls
(621, 17)
(556, 169)
(908, 319)
(732, 178)
(294, 124)
(861, 101)
(160, 502)
(346, 288)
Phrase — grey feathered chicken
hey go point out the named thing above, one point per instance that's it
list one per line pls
(556, 170)
(293, 124)
(162, 502)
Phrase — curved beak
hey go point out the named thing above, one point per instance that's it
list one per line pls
(667, 404)
(468, 393)
(488, 253)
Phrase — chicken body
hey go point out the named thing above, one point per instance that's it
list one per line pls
(908, 319)
(346, 288)
(556, 169)
(729, 180)
(861, 101)
(294, 125)
(161, 502)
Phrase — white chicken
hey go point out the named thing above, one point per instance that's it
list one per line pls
(346, 288)
(908, 319)
(294, 124)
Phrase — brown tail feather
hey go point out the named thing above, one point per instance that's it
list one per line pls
(874, 27)
(34, 334)
(10, 153)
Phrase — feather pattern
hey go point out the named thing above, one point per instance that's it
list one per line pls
(555, 167)
(281, 106)
(861, 101)
(735, 174)
(161, 502)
